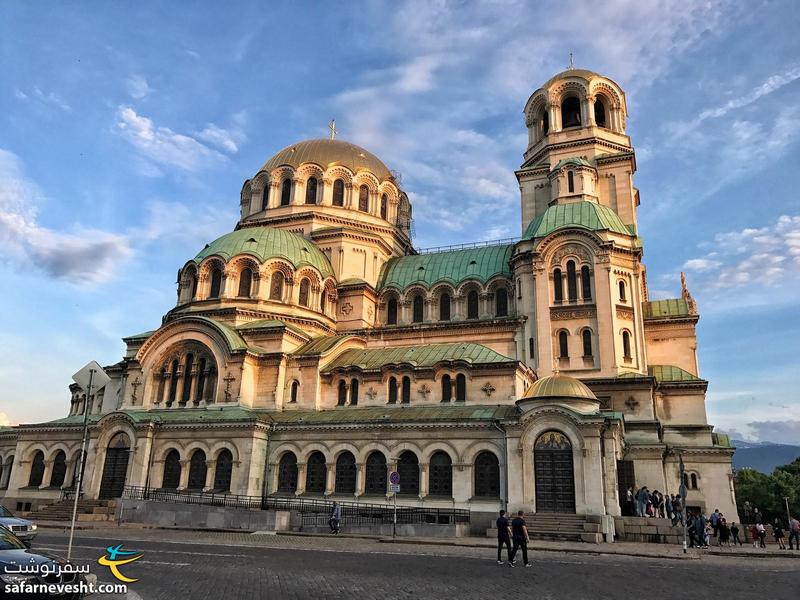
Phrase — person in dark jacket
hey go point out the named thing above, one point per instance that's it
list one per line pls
(336, 516)
(519, 534)
(735, 534)
(503, 537)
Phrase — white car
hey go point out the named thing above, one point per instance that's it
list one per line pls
(22, 528)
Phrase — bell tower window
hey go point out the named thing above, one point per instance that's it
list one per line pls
(265, 197)
(571, 112)
(338, 193)
(545, 122)
(384, 206)
(600, 113)
(311, 191)
(363, 198)
(286, 192)
(570, 182)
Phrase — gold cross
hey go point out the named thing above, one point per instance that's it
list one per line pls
(332, 127)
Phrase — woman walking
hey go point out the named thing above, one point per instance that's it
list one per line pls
(777, 531)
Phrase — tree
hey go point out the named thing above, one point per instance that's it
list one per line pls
(767, 492)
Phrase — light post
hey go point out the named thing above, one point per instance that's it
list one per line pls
(682, 493)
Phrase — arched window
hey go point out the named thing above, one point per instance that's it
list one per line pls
(276, 286)
(487, 475)
(558, 286)
(563, 348)
(286, 192)
(447, 388)
(391, 311)
(245, 282)
(570, 182)
(363, 198)
(172, 470)
(693, 479)
(586, 283)
(187, 376)
(622, 290)
(392, 390)
(626, 344)
(305, 289)
(294, 389)
(405, 392)
(345, 482)
(287, 474)
(531, 349)
(440, 480)
(197, 471)
(417, 309)
(444, 307)
(342, 393)
(599, 113)
(338, 193)
(545, 122)
(408, 469)
(194, 287)
(587, 343)
(265, 197)
(323, 301)
(201, 380)
(472, 305)
(173, 383)
(311, 191)
(223, 471)
(59, 469)
(570, 112)
(384, 206)
(461, 388)
(353, 392)
(572, 281)
(216, 283)
(375, 481)
(316, 473)
(501, 302)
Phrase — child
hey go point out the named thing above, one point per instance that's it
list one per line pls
(754, 535)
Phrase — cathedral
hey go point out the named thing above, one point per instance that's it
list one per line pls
(313, 349)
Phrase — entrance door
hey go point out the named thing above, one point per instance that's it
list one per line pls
(626, 478)
(555, 480)
(116, 467)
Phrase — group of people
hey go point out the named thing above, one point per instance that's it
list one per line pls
(514, 536)
(701, 530)
(644, 503)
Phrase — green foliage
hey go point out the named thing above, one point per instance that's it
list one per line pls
(767, 492)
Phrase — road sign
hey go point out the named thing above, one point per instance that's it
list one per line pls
(394, 477)
(394, 488)
(91, 372)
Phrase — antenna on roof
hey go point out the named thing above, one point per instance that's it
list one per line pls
(332, 126)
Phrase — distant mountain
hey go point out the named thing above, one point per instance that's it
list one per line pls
(763, 456)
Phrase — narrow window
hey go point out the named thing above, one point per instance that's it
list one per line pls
(406, 391)
(173, 383)
(570, 182)
(295, 387)
(626, 344)
(265, 197)
(440, 480)
(531, 349)
(571, 112)
(487, 475)
(223, 472)
(345, 481)
(392, 390)
(172, 470)
(276, 286)
(472, 305)
(391, 311)
(384, 206)
(599, 113)
(444, 307)
(342, 400)
(197, 471)
(194, 287)
(245, 281)
(408, 468)
(338, 193)
(558, 286)
(694, 481)
(59, 469)
(563, 349)
(622, 290)
(187, 376)
(572, 282)
(447, 388)
(323, 301)
(417, 309)
(586, 283)
(461, 388)
(216, 283)
(287, 473)
(305, 287)
(37, 470)
(363, 198)
(353, 392)
(286, 192)
(587, 343)
(311, 191)
(545, 122)
(501, 302)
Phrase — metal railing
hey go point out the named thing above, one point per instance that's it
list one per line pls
(467, 245)
(312, 510)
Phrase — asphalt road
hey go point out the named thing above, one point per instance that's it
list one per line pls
(207, 566)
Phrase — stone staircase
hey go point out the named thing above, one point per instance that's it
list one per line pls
(88, 510)
(560, 527)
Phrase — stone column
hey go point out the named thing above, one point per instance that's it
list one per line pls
(194, 377)
(298, 191)
(301, 479)
(167, 377)
(348, 195)
(48, 474)
(181, 382)
(330, 478)
(184, 481)
(211, 467)
(423, 480)
(361, 478)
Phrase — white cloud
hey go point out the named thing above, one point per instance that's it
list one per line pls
(222, 138)
(4, 420)
(701, 264)
(43, 99)
(138, 87)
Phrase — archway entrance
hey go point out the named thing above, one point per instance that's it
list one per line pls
(555, 479)
(116, 466)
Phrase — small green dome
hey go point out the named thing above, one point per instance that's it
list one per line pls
(578, 161)
(267, 242)
(559, 386)
(582, 215)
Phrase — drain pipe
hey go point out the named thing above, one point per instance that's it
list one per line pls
(496, 424)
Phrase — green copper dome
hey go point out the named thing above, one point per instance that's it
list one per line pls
(581, 215)
(266, 242)
(559, 386)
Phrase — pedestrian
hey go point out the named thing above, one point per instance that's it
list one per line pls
(735, 534)
(794, 533)
(762, 535)
(670, 508)
(503, 537)
(778, 534)
(690, 523)
(336, 516)
(630, 510)
(677, 506)
(700, 529)
(748, 513)
(757, 518)
(714, 520)
(707, 536)
(641, 501)
(519, 533)
(724, 533)
(754, 534)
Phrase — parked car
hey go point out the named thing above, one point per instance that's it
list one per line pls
(39, 568)
(22, 528)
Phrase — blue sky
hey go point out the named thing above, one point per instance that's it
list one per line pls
(127, 130)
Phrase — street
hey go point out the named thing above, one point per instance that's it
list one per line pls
(202, 565)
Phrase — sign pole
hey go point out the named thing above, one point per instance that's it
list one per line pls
(683, 492)
(83, 462)
(394, 522)
(788, 514)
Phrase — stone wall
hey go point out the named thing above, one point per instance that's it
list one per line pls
(642, 529)
(201, 516)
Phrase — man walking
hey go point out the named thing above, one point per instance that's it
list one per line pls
(336, 515)
(735, 535)
(503, 537)
(714, 519)
(519, 533)
(794, 533)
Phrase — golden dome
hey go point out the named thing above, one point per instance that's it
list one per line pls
(559, 386)
(328, 153)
